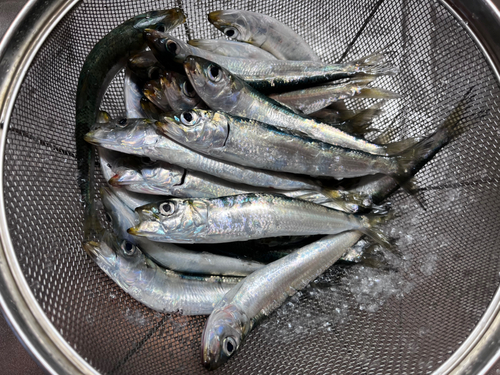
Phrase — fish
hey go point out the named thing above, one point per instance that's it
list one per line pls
(105, 59)
(245, 217)
(140, 137)
(264, 32)
(153, 90)
(132, 93)
(223, 91)
(171, 256)
(259, 294)
(155, 287)
(314, 99)
(179, 92)
(255, 144)
(157, 177)
(272, 75)
(231, 48)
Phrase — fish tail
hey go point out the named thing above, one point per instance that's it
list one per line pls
(375, 64)
(370, 224)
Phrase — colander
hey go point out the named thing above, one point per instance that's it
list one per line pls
(434, 310)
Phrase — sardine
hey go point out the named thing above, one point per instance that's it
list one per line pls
(270, 75)
(140, 137)
(231, 48)
(166, 179)
(157, 288)
(171, 256)
(226, 92)
(258, 145)
(264, 32)
(107, 57)
(244, 217)
(259, 294)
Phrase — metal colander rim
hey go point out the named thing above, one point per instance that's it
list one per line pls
(26, 316)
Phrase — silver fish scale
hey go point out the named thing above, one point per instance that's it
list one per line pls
(324, 330)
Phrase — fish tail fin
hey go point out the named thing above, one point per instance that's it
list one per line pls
(375, 64)
(360, 123)
(377, 93)
(370, 223)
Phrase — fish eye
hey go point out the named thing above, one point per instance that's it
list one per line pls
(128, 248)
(167, 208)
(172, 47)
(214, 73)
(231, 32)
(229, 346)
(189, 118)
(123, 121)
(188, 90)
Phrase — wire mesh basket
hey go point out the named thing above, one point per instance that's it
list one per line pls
(436, 303)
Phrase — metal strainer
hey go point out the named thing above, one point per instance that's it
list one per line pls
(433, 310)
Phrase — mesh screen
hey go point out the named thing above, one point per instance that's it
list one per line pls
(407, 315)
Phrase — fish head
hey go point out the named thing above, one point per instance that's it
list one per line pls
(125, 176)
(153, 91)
(163, 20)
(179, 92)
(240, 26)
(162, 174)
(199, 128)
(119, 258)
(215, 85)
(125, 135)
(223, 335)
(175, 220)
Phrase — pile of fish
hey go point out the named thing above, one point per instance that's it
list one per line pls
(226, 141)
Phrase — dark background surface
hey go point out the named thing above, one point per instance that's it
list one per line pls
(14, 359)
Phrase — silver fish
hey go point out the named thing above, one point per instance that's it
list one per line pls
(224, 91)
(255, 144)
(159, 289)
(166, 179)
(179, 92)
(244, 217)
(140, 137)
(171, 256)
(132, 92)
(231, 48)
(272, 74)
(313, 99)
(259, 294)
(264, 32)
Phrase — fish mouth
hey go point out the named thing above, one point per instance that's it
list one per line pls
(145, 229)
(124, 179)
(155, 39)
(194, 71)
(91, 137)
